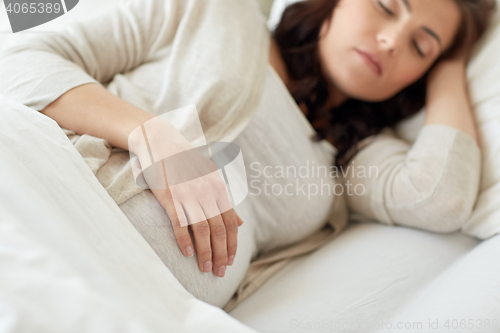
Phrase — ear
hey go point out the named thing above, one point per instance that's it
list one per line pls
(324, 29)
(325, 26)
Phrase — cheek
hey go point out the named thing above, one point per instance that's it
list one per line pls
(405, 75)
(351, 25)
(336, 48)
(386, 90)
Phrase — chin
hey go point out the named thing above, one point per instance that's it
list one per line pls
(352, 86)
(374, 99)
(368, 92)
(362, 92)
(356, 84)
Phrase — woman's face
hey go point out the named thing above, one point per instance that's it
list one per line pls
(372, 49)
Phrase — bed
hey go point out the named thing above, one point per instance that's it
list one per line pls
(70, 261)
(373, 278)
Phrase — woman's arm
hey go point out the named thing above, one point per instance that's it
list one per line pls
(448, 99)
(432, 184)
(38, 70)
(91, 109)
(62, 75)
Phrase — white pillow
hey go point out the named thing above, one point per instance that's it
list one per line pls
(484, 81)
(484, 78)
(276, 12)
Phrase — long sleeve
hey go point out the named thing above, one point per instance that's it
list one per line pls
(36, 71)
(430, 185)
(159, 55)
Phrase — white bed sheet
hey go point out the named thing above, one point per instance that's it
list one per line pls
(374, 275)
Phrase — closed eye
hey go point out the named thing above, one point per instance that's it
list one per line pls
(387, 10)
(418, 49)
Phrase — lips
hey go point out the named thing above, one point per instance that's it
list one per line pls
(371, 60)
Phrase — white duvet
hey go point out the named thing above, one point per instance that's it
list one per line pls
(70, 261)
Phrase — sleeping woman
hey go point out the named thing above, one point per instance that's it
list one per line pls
(339, 74)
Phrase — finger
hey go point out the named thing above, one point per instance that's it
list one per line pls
(231, 223)
(181, 231)
(177, 217)
(223, 201)
(240, 221)
(201, 234)
(218, 238)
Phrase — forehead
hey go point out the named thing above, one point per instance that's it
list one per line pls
(441, 16)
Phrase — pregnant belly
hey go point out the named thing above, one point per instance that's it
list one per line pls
(152, 222)
(288, 207)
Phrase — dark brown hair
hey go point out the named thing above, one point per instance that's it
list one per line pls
(297, 36)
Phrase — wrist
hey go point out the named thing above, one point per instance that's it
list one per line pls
(132, 129)
(448, 77)
(156, 139)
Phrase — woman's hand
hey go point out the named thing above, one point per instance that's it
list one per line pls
(215, 237)
(203, 199)
(455, 66)
(444, 75)
(448, 98)
(91, 109)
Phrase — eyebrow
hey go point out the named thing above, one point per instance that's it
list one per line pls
(425, 28)
(407, 4)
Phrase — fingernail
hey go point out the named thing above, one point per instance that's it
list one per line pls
(189, 251)
(208, 266)
(222, 271)
(230, 260)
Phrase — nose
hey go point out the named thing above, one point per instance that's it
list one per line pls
(389, 39)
